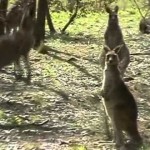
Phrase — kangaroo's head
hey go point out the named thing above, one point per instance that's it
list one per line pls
(112, 58)
(27, 21)
(113, 14)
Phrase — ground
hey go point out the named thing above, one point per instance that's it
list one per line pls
(65, 87)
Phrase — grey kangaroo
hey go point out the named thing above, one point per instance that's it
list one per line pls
(119, 102)
(113, 36)
(17, 45)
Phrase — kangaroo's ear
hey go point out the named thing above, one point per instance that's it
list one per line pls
(118, 48)
(106, 48)
(116, 9)
(107, 8)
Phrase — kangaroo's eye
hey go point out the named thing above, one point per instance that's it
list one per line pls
(113, 56)
(107, 57)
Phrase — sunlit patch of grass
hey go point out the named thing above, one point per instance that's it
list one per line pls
(31, 146)
(88, 25)
(12, 119)
(129, 20)
(59, 63)
(2, 115)
(38, 98)
(90, 22)
(35, 118)
(3, 146)
(78, 147)
(56, 70)
(15, 120)
(60, 19)
(51, 71)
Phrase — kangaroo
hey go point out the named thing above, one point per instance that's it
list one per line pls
(113, 36)
(144, 25)
(13, 18)
(119, 102)
(17, 45)
(14, 15)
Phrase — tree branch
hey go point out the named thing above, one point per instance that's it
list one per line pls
(138, 9)
(143, 16)
(72, 17)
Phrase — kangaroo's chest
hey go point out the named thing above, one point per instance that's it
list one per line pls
(108, 84)
(109, 101)
(113, 38)
(109, 108)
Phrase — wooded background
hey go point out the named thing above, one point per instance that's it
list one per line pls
(45, 8)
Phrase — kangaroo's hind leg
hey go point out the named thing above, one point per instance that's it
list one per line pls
(27, 67)
(135, 138)
(17, 69)
(118, 133)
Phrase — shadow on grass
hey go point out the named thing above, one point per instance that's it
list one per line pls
(71, 55)
(14, 106)
(80, 38)
(61, 93)
(80, 68)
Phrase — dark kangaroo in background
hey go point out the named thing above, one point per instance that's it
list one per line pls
(119, 102)
(13, 18)
(17, 45)
(113, 36)
(14, 15)
(144, 25)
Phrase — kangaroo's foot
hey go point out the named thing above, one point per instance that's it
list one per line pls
(18, 77)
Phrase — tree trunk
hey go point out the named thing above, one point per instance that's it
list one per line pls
(40, 22)
(3, 10)
(34, 6)
(71, 4)
(49, 20)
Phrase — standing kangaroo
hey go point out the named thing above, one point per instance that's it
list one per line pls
(17, 45)
(113, 37)
(119, 101)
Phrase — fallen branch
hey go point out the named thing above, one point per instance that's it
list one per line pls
(72, 17)
(23, 126)
(140, 54)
